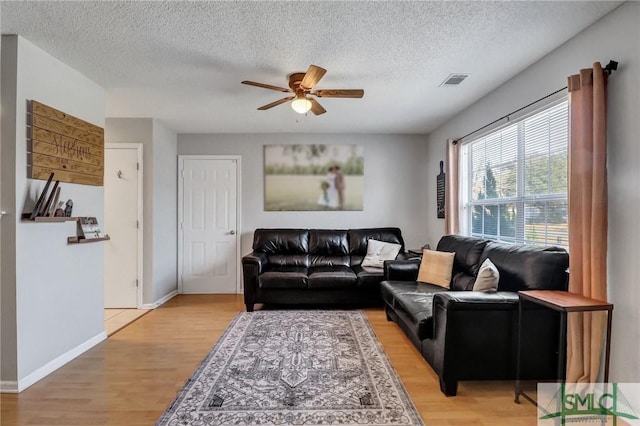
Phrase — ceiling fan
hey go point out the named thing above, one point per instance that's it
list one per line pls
(301, 85)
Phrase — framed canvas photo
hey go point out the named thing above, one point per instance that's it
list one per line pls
(313, 177)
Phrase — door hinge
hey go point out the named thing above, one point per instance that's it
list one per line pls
(137, 224)
(182, 173)
(137, 282)
(137, 166)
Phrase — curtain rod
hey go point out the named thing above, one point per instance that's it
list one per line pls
(611, 66)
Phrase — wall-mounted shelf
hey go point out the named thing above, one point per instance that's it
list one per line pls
(76, 240)
(45, 219)
(26, 217)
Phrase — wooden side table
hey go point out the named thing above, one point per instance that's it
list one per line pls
(563, 302)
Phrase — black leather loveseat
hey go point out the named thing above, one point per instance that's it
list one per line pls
(314, 266)
(467, 335)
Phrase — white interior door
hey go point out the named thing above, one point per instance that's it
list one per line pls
(209, 197)
(122, 192)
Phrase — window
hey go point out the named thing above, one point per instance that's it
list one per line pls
(515, 181)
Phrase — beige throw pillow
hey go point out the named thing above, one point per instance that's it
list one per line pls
(436, 268)
(378, 252)
(488, 277)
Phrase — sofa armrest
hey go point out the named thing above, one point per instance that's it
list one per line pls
(471, 329)
(252, 266)
(401, 270)
(406, 255)
(486, 325)
(256, 258)
(476, 301)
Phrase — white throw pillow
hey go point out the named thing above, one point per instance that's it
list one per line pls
(378, 252)
(488, 277)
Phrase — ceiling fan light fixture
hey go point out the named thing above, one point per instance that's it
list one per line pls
(302, 94)
(301, 105)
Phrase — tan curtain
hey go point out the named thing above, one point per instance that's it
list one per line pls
(452, 192)
(587, 219)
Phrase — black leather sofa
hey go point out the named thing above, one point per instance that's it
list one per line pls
(467, 335)
(314, 266)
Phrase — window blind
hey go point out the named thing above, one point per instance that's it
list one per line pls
(515, 181)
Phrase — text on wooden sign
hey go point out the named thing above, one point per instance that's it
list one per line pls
(71, 148)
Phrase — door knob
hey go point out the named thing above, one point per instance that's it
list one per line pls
(232, 232)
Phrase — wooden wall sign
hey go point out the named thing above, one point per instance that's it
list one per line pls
(65, 145)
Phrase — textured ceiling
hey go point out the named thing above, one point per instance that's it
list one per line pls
(182, 62)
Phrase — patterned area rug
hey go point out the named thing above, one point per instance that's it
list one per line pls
(294, 368)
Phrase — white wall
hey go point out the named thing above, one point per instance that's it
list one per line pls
(165, 211)
(159, 203)
(394, 171)
(617, 37)
(59, 288)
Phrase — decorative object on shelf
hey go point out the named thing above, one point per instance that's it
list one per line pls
(41, 199)
(68, 208)
(440, 191)
(66, 145)
(88, 228)
(56, 198)
(313, 177)
(45, 209)
(59, 212)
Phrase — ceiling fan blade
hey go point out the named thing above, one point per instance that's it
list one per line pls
(312, 77)
(316, 108)
(331, 93)
(276, 103)
(267, 86)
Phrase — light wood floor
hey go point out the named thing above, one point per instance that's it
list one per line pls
(117, 319)
(133, 376)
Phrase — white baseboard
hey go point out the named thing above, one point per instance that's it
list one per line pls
(160, 301)
(56, 363)
(7, 386)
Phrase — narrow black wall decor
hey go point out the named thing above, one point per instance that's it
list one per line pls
(440, 191)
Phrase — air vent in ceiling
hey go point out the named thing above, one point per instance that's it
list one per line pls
(454, 79)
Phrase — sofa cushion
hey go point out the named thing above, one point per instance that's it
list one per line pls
(436, 268)
(488, 277)
(328, 242)
(358, 239)
(378, 252)
(301, 260)
(467, 260)
(328, 247)
(281, 241)
(315, 260)
(413, 301)
(283, 277)
(526, 267)
(331, 277)
(462, 282)
(368, 277)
